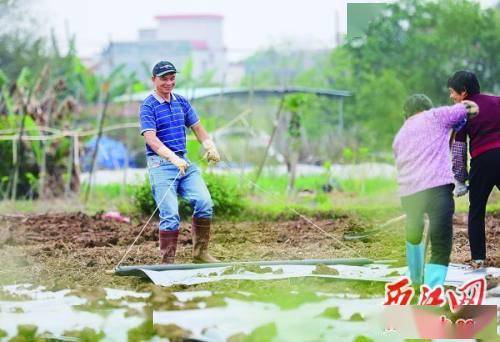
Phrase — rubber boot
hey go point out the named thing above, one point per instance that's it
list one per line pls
(168, 245)
(201, 236)
(435, 275)
(415, 260)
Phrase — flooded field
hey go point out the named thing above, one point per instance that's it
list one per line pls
(56, 285)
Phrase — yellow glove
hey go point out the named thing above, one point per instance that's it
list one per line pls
(211, 153)
(180, 163)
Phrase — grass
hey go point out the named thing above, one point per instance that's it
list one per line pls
(370, 198)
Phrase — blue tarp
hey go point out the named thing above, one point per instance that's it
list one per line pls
(111, 154)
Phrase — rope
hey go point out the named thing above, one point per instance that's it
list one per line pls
(307, 219)
(376, 230)
(147, 222)
(304, 217)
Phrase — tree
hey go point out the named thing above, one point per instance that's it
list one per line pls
(425, 42)
(413, 48)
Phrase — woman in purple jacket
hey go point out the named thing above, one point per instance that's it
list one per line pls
(425, 178)
(484, 139)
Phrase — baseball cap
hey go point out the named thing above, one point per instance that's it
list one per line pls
(163, 67)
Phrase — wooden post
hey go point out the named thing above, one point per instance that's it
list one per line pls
(43, 164)
(14, 162)
(67, 188)
(24, 108)
(270, 142)
(99, 134)
(17, 159)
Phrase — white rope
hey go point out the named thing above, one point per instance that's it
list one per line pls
(307, 219)
(146, 224)
(304, 217)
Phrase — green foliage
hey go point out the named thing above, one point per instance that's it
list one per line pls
(143, 332)
(32, 152)
(427, 41)
(143, 198)
(296, 104)
(26, 332)
(414, 48)
(226, 195)
(379, 103)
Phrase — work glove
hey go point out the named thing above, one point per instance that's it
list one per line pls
(472, 108)
(460, 189)
(211, 153)
(180, 163)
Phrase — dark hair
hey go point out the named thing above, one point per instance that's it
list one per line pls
(464, 81)
(416, 103)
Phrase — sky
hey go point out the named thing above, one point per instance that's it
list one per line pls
(248, 25)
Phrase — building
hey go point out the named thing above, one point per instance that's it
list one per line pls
(176, 38)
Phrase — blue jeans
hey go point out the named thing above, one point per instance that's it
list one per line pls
(191, 187)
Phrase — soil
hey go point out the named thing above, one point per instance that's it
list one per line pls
(69, 249)
(461, 251)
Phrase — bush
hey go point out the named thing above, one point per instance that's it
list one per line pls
(226, 195)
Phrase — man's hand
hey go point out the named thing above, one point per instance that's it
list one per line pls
(460, 189)
(472, 108)
(211, 153)
(180, 163)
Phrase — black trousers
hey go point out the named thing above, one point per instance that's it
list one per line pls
(484, 175)
(439, 206)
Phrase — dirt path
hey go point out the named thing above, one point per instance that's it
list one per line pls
(62, 250)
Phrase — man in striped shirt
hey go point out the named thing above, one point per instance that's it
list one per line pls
(164, 117)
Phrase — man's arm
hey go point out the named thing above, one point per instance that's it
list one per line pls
(164, 152)
(211, 154)
(200, 132)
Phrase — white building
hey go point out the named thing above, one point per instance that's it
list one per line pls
(175, 38)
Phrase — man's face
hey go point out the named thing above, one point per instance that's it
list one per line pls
(164, 84)
(457, 97)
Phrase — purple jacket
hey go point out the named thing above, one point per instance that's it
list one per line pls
(422, 149)
(484, 130)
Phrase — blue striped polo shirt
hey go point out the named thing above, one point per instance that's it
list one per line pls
(168, 119)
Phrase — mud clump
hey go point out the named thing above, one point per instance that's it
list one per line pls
(238, 269)
(356, 317)
(264, 332)
(86, 334)
(331, 313)
(323, 269)
(393, 274)
(147, 330)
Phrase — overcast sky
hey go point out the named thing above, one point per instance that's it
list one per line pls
(248, 25)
